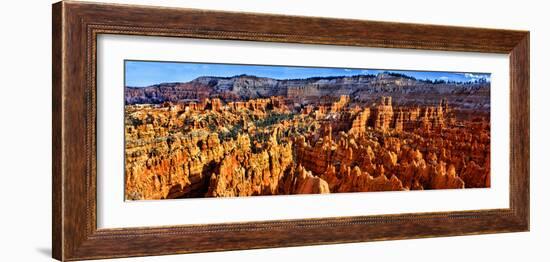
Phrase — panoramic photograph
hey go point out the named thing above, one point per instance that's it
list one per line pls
(196, 130)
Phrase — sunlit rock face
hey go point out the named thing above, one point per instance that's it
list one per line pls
(183, 142)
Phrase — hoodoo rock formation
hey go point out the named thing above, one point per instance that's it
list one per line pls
(260, 136)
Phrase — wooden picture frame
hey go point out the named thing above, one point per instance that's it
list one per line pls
(76, 26)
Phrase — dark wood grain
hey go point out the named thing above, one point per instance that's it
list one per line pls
(519, 129)
(76, 26)
(57, 191)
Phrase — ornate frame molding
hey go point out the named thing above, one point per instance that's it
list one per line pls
(76, 26)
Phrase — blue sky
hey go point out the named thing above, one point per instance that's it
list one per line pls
(146, 73)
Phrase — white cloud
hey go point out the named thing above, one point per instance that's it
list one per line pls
(472, 76)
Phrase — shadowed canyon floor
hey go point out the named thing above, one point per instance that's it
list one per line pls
(281, 144)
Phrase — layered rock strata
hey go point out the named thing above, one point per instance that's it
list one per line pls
(215, 147)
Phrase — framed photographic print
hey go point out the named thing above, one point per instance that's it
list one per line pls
(182, 130)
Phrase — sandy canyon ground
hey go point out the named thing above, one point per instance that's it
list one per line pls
(249, 136)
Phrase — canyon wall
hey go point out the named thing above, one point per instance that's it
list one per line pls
(269, 146)
(366, 88)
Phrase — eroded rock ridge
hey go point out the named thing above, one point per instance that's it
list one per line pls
(222, 147)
